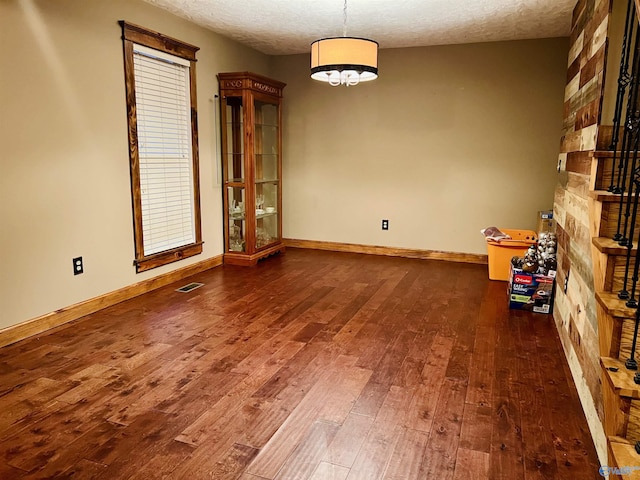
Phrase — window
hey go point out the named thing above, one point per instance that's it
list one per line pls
(163, 146)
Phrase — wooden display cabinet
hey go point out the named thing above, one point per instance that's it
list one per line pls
(252, 166)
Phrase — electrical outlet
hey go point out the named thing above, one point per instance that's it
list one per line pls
(78, 267)
(385, 224)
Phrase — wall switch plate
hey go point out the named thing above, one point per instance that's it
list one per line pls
(78, 267)
(385, 224)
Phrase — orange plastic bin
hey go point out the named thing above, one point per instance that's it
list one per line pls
(501, 253)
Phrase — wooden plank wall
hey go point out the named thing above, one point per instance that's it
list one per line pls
(575, 310)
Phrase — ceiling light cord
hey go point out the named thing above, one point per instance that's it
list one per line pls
(344, 19)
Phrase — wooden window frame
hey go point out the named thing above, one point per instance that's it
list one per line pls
(134, 34)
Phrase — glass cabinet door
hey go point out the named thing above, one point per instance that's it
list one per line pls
(237, 220)
(267, 173)
(267, 138)
(234, 168)
(234, 140)
(267, 230)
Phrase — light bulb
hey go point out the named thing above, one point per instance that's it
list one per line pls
(335, 78)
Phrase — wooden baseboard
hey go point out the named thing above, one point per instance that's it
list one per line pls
(64, 315)
(389, 251)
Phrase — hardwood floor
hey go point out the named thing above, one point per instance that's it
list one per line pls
(312, 365)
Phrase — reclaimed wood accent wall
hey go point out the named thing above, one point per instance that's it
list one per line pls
(575, 307)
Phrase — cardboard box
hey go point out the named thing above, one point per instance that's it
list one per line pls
(545, 221)
(531, 291)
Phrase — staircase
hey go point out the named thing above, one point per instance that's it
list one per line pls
(616, 324)
(614, 222)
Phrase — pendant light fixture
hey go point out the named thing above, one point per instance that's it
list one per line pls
(344, 60)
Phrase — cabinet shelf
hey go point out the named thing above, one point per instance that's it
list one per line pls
(242, 215)
(265, 215)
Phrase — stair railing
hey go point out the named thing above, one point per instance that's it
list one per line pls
(629, 162)
(623, 82)
(628, 144)
(625, 170)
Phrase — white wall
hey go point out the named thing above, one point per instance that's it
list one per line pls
(448, 140)
(64, 181)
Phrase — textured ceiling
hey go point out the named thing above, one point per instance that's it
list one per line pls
(280, 27)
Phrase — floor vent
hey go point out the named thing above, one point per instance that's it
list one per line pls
(189, 287)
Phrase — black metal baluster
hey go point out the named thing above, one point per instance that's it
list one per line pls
(635, 192)
(623, 213)
(631, 362)
(623, 81)
(629, 151)
(626, 177)
(624, 203)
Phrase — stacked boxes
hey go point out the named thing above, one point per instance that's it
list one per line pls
(531, 291)
(534, 291)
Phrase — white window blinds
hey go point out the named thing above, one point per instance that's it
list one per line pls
(164, 144)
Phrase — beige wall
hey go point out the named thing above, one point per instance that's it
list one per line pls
(447, 141)
(64, 184)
